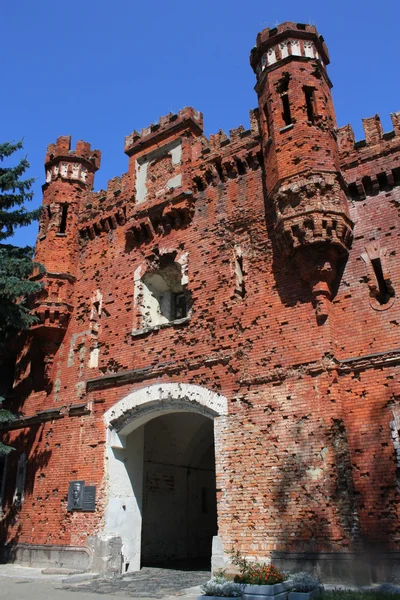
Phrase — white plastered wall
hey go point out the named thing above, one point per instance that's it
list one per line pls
(175, 151)
(124, 453)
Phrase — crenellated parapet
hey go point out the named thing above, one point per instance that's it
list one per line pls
(370, 165)
(223, 158)
(285, 42)
(187, 119)
(74, 165)
(158, 194)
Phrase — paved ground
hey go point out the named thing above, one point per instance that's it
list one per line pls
(149, 583)
(18, 583)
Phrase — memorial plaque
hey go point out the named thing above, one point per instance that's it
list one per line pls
(75, 495)
(89, 498)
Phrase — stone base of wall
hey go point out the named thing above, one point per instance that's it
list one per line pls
(219, 560)
(99, 556)
(47, 556)
(353, 568)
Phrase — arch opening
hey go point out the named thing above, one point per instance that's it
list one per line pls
(179, 513)
(161, 475)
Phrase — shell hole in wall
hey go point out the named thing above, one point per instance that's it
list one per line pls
(164, 298)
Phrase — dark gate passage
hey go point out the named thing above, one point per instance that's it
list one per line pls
(179, 494)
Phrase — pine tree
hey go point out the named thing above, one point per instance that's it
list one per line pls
(16, 264)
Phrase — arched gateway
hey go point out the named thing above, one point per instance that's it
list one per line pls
(161, 472)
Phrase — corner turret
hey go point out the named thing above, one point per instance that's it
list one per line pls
(69, 178)
(301, 156)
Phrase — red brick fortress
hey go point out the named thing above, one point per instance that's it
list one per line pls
(216, 360)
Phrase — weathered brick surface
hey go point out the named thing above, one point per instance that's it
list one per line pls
(307, 458)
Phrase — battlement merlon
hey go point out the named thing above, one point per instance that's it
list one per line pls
(288, 40)
(186, 119)
(374, 135)
(61, 150)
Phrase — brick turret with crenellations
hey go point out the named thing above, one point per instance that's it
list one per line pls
(302, 167)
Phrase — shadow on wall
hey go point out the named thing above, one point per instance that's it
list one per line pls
(345, 525)
(31, 370)
(319, 491)
(19, 486)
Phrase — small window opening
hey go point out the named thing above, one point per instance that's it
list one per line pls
(218, 167)
(63, 220)
(179, 306)
(265, 110)
(240, 167)
(396, 175)
(383, 181)
(367, 183)
(286, 115)
(384, 293)
(353, 190)
(38, 373)
(200, 184)
(309, 94)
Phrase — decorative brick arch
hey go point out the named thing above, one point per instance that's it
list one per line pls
(124, 454)
(139, 406)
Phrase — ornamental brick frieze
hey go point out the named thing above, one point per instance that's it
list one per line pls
(314, 227)
(53, 305)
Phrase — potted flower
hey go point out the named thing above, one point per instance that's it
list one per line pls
(220, 587)
(305, 586)
(261, 580)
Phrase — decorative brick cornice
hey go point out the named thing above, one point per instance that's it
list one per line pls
(343, 366)
(167, 368)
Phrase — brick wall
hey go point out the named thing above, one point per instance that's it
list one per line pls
(306, 461)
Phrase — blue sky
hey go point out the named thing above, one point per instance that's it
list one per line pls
(97, 70)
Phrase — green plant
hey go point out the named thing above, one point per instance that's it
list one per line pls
(255, 573)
